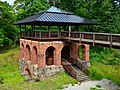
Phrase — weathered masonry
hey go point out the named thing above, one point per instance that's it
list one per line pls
(51, 40)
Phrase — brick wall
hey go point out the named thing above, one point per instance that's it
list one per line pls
(35, 51)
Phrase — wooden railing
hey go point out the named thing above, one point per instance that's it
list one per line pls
(84, 37)
(94, 38)
(69, 68)
(83, 67)
(38, 34)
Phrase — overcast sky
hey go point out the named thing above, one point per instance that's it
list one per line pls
(9, 1)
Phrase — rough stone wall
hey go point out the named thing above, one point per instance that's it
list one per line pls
(36, 72)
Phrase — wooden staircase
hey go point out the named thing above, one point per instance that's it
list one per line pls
(75, 71)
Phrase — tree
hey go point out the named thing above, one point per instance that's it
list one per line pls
(7, 31)
(104, 12)
(26, 8)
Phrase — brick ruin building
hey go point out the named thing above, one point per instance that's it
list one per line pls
(45, 45)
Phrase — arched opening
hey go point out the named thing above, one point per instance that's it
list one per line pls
(28, 53)
(50, 55)
(22, 50)
(27, 73)
(34, 55)
(65, 53)
(82, 50)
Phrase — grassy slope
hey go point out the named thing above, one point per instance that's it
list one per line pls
(10, 72)
(105, 63)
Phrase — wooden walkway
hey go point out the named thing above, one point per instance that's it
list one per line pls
(100, 39)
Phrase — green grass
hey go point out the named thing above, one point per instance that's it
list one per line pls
(12, 80)
(9, 66)
(53, 83)
(105, 63)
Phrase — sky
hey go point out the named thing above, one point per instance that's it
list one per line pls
(9, 1)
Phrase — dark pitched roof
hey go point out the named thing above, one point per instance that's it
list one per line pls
(54, 16)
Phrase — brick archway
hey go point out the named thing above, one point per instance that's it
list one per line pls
(34, 55)
(27, 52)
(65, 53)
(27, 72)
(22, 51)
(50, 55)
(84, 52)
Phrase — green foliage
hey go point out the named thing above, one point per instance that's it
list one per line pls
(105, 63)
(26, 8)
(7, 31)
(9, 66)
(104, 12)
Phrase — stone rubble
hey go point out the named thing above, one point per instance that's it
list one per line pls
(104, 84)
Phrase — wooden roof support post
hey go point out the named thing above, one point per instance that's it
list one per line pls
(69, 32)
(40, 32)
(49, 31)
(58, 31)
(25, 31)
(34, 31)
(20, 31)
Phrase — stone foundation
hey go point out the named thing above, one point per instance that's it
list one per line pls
(32, 71)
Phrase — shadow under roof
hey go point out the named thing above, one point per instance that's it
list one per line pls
(55, 16)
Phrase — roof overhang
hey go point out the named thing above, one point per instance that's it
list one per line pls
(55, 18)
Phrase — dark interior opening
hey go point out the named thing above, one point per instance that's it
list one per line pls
(65, 53)
(50, 56)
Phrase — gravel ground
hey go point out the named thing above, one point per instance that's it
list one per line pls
(103, 84)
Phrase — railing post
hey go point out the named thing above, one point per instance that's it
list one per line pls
(108, 38)
(93, 39)
(80, 37)
(111, 41)
(69, 32)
